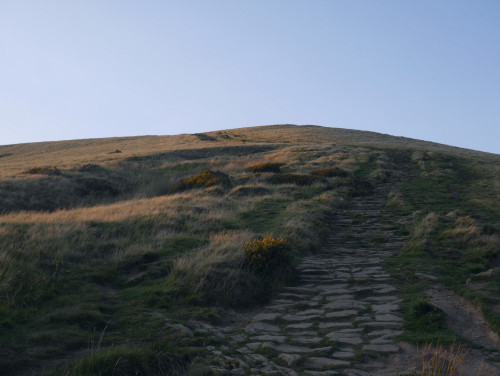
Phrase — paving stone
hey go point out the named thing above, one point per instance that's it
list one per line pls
(312, 311)
(343, 354)
(331, 298)
(388, 317)
(307, 340)
(384, 308)
(318, 362)
(289, 359)
(339, 314)
(351, 339)
(254, 345)
(268, 337)
(289, 349)
(384, 332)
(299, 317)
(260, 327)
(265, 317)
(345, 304)
(356, 372)
(328, 325)
(387, 348)
(302, 325)
(321, 373)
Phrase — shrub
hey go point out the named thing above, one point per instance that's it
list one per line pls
(202, 180)
(268, 256)
(293, 179)
(264, 167)
(331, 172)
(42, 171)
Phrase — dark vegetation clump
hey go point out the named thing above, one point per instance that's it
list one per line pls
(297, 179)
(358, 187)
(264, 167)
(331, 172)
(42, 171)
(117, 151)
(204, 179)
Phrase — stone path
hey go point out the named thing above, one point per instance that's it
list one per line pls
(343, 317)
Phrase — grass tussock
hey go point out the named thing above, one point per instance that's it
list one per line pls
(331, 172)
(264, 167)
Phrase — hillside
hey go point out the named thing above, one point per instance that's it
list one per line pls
(294, 250)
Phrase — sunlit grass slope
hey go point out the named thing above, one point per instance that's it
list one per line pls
(106, 243)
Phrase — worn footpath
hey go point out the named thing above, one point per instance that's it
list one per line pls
(342, 319)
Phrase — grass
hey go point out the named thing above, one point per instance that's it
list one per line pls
(122, 242)
(452, 221)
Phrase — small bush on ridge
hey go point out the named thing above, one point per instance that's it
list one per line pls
(264, 167)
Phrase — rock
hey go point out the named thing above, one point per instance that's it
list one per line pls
(343, 354)
(302, 325)
(269, 337)
(385, 348)
(260, 327)
(328, 325)
(265, 317)
(289, 359)
(388, 317)
(346, 304)
(345, 313)
(299, 317)
(316, 362)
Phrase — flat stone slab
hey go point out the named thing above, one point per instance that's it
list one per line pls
(299, 317)
(385, 308)
(328, 325)
(343, 354)
(307, 340)
(260, 327)
(302, 325)
(388, 317)
(346, 304)
(337, 314)
(288, 349)
(268, 337)
(289, 359)
(321, 373)
(312, 311)
(381, 348)
(385, 332)
(351, 339)
(265, 316)
(317, 362)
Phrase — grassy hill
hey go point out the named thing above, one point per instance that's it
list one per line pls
(109, 246)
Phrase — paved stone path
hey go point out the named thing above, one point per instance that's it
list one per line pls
(341, 319)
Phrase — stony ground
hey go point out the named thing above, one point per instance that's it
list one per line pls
(344, 315)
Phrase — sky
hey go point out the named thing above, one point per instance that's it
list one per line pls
(426, 69)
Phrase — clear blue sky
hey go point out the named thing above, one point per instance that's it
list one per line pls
(427, 69)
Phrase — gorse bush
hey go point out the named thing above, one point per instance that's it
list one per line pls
(202, 180)
(264, 167)
(268, 256)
